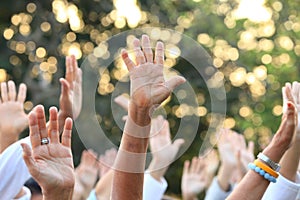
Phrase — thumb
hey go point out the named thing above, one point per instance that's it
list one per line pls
(27, 157)
(178, 142)
(174, 82)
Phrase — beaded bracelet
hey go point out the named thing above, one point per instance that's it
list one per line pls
(266, 168)
(262, 172)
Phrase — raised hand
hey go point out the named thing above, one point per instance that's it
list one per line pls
(194, 178)
(50, 161)
(253, 182)
(70, 101)
(107, 161)
(148, 86)
(162, 149)
(211, 160)
(244, 156)
(85, 174)
(148, 90)
(13, 119)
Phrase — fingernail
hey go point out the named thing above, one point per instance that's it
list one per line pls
(289, 104)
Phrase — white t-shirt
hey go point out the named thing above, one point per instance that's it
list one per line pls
(13, 170)
(283, 189)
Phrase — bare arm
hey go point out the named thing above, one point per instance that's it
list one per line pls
(290, 161)
(253, 182)
(13, 119)
(148, 89)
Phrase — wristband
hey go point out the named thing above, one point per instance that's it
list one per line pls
(275, 166)
(266, 168)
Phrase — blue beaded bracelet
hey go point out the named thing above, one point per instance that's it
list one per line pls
(262, 172)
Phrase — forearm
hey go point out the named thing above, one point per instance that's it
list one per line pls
(130, 161)
(289, 162)
(6, 139)
(253, 182)
(224, 176)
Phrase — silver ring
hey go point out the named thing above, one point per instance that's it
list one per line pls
(45, 141)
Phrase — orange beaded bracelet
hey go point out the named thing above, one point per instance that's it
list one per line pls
(266, 168)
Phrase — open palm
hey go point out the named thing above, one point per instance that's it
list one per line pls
(148, 86)
(51, 165)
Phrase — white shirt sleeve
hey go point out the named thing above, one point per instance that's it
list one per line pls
(92, 195)
(26, 196)
(215, 192)
(153, 189)
(283, 189)
(13, 170)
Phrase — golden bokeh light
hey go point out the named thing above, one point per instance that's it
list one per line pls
(31, 7)
(238, 77)
(128, 10)
(277, 110)
(8, 33)
(245, 111)
(3, 75)
(229, 123)
(255, 11)
(41, 52)
(45, 26)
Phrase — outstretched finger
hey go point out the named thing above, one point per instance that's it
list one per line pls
(147, 48)
(69, 70)
(29, 161)
(4, 92)
(128, 62)
(34, 132)
(140, 57)
(288, 92)
(11, 91)
(159, 54)
(53, 125)
(67, 133)
(40, 113)
(74, 66)
(22, 93)
(186, 167)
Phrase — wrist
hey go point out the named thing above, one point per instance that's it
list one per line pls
(157, 169)
(274, 152)
(189, 196)
(224, 176)
(63, 194)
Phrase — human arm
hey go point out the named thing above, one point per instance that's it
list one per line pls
(13, 119)
(148, 89)
(254, 182)
(194, 178)
(70, 100)
(163, 154)
(51, 165)
(290, 161)
(85, 175)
